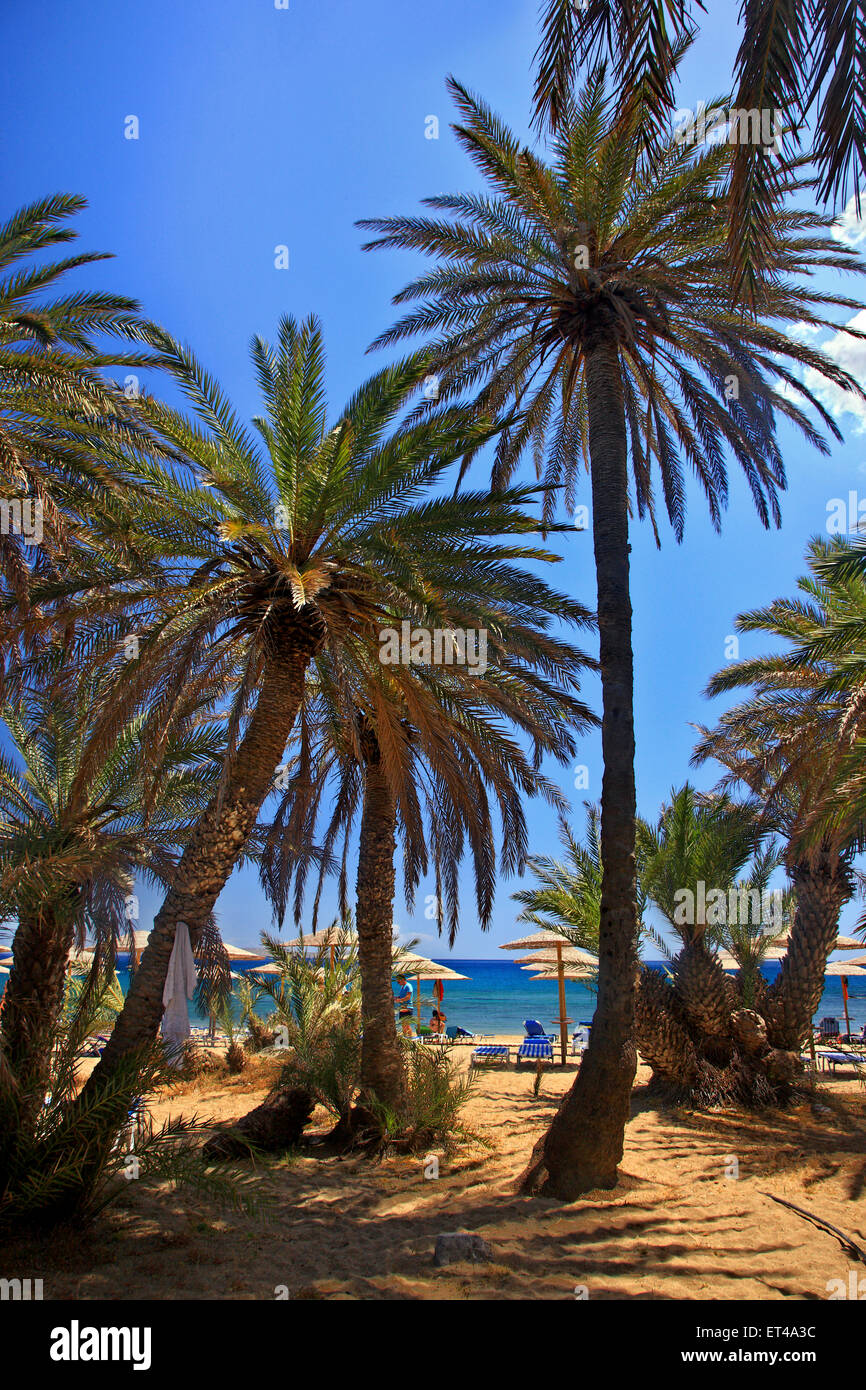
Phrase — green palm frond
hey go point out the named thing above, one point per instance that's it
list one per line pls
(595, 247)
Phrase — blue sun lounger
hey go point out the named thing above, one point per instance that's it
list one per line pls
(497, 1053)
(841, 1059)
(535, 1050)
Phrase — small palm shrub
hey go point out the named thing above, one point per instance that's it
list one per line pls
(82, 1157)
(329, 1067)
(436, 1092)
(106, 1003)
(316, 1017)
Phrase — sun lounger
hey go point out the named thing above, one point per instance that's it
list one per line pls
(841, 1059)
(535, 1050)
(534, 1029)
(461, 1035)
(828, 1027)
(496, 1053)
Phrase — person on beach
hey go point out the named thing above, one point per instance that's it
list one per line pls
(403, 1000)
(438, 1021)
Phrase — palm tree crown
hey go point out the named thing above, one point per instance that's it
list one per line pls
(594, 250)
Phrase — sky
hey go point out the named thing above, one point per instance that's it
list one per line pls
(263, 126)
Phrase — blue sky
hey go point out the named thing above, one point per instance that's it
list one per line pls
(261, 127)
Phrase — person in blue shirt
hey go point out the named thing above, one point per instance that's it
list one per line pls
(403, 1000)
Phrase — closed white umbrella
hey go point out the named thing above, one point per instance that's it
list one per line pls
(180, 983)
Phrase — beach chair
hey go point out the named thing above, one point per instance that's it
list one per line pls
(580, 1040)
(492, 1054)
(833, 1060)
(461, 1035)
(534, 1029)
(535, 1050)
(828, 1028)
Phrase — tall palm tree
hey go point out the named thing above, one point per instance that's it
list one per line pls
(586, 297)
(69, 435)
(430, 759)
(312, 543)
(802, 61)
(79, 819)
(795, 742)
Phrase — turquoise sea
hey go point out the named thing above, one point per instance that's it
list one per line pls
(499, 995)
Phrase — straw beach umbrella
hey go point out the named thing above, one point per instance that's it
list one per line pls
(842, 943)
(843, 969)
(421, 968)
(329, 939)
(571, 955)
(548, 947)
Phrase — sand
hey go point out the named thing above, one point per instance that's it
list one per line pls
(689, 1219)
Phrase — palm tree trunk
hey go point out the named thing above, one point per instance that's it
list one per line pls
(661, 1035)
(32, 1004)
(706, 994)
(214, 847)
(584, 1144)
(382, 1070)
(823, 887)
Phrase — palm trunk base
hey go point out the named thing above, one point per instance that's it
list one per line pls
(583, 1148)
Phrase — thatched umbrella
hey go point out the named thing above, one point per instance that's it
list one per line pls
(548, 947)
(571, 955)
(842, 943)
(329, 939)
(844, 968)
(421, 968)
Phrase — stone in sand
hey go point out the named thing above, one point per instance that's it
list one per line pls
(455, 1246)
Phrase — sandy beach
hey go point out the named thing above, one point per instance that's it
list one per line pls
(679, 1226)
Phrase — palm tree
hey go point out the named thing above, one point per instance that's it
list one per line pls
(80, 818)
(588, 296)
(796, 60)
(707, 869)
(698, 842)
(567, 897)
(795, 743)
(424, 760)
(310, 544)
(69, 436)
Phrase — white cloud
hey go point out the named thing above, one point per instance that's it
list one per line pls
(804, 331)
(850, 354)
(849, 228)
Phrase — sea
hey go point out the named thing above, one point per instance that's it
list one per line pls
(498, 996)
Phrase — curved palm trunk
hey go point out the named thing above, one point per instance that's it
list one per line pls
(382, 1070)
(32, 1004)
(822, 887)
(585, 1141)
(214, 847)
